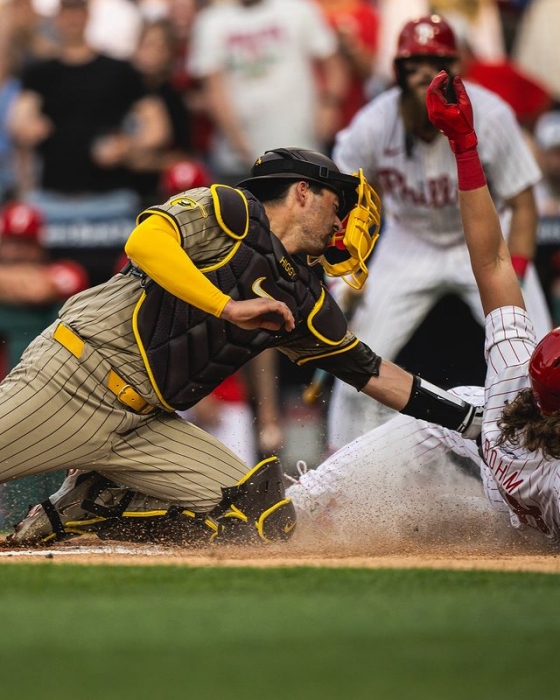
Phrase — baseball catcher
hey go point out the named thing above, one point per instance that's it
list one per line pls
(216, 275)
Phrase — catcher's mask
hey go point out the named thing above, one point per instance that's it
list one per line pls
(426, 37)
(352, 244)
(544, 373)
(359, 206)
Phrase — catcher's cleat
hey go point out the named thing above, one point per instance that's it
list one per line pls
(63, 514)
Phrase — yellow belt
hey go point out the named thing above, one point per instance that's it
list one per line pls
(124, 392)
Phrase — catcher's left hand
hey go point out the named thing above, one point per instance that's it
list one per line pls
(454, 120)
(251, 314)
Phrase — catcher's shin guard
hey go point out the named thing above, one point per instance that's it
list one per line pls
(256, 508)
(88, 502)
(170, 525)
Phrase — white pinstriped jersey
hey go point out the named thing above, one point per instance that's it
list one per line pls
(372, 477)
(526, 481)
(420, 193)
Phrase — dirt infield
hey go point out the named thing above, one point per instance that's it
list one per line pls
(519, 556)
(406, 518)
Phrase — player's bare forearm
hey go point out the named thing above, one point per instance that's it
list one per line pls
(416, 397)
(392, 387)
(522, 238)
(490, 260)
(262, 378)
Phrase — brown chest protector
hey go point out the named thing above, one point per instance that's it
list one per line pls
(190, 352)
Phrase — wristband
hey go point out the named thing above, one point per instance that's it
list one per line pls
(463, 142)
(519, 264)
(470, 174)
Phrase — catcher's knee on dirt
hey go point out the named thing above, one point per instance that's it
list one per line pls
(256, 508)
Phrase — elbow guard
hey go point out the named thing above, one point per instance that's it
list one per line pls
(430, 403)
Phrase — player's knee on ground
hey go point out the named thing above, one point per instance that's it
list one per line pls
(254, 510)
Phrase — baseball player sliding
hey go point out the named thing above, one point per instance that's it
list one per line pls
(520, 440)
(215, 278)
(421, 255)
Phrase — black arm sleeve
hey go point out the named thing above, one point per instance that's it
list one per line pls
(354, 366)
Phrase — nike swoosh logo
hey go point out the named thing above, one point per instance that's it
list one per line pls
(289, 528)
(258, 290)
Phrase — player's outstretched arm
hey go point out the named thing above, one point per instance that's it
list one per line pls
(490, 259)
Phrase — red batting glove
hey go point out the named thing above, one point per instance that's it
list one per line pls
(454, 120)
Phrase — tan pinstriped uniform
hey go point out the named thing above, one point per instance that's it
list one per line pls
(56, 413)
(57, 410)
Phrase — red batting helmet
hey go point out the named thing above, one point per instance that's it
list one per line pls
(544, 372)
(184, 175)
(20, 220)
(426, 36)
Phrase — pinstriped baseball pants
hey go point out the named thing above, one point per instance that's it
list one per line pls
(56, 413)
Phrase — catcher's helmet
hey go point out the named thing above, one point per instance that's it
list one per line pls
(544, 372)
(184, 175)
(22, 221)
(302, 164)
(426, 36)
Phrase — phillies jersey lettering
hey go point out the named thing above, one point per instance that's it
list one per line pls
(526, 482)
(502, 471)
(433, 192)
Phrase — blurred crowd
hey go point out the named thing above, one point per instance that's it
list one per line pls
(108, 106)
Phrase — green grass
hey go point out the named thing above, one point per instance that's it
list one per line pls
(80, 632)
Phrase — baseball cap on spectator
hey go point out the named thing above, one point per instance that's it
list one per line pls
(19, 220)
(547, 130)
(184, 175)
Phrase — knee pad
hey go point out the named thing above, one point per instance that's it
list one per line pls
(256, 508)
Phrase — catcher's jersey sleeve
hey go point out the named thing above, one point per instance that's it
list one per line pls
(351, 360)
(155, 246)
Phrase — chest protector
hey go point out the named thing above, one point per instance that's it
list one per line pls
(188, 352)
